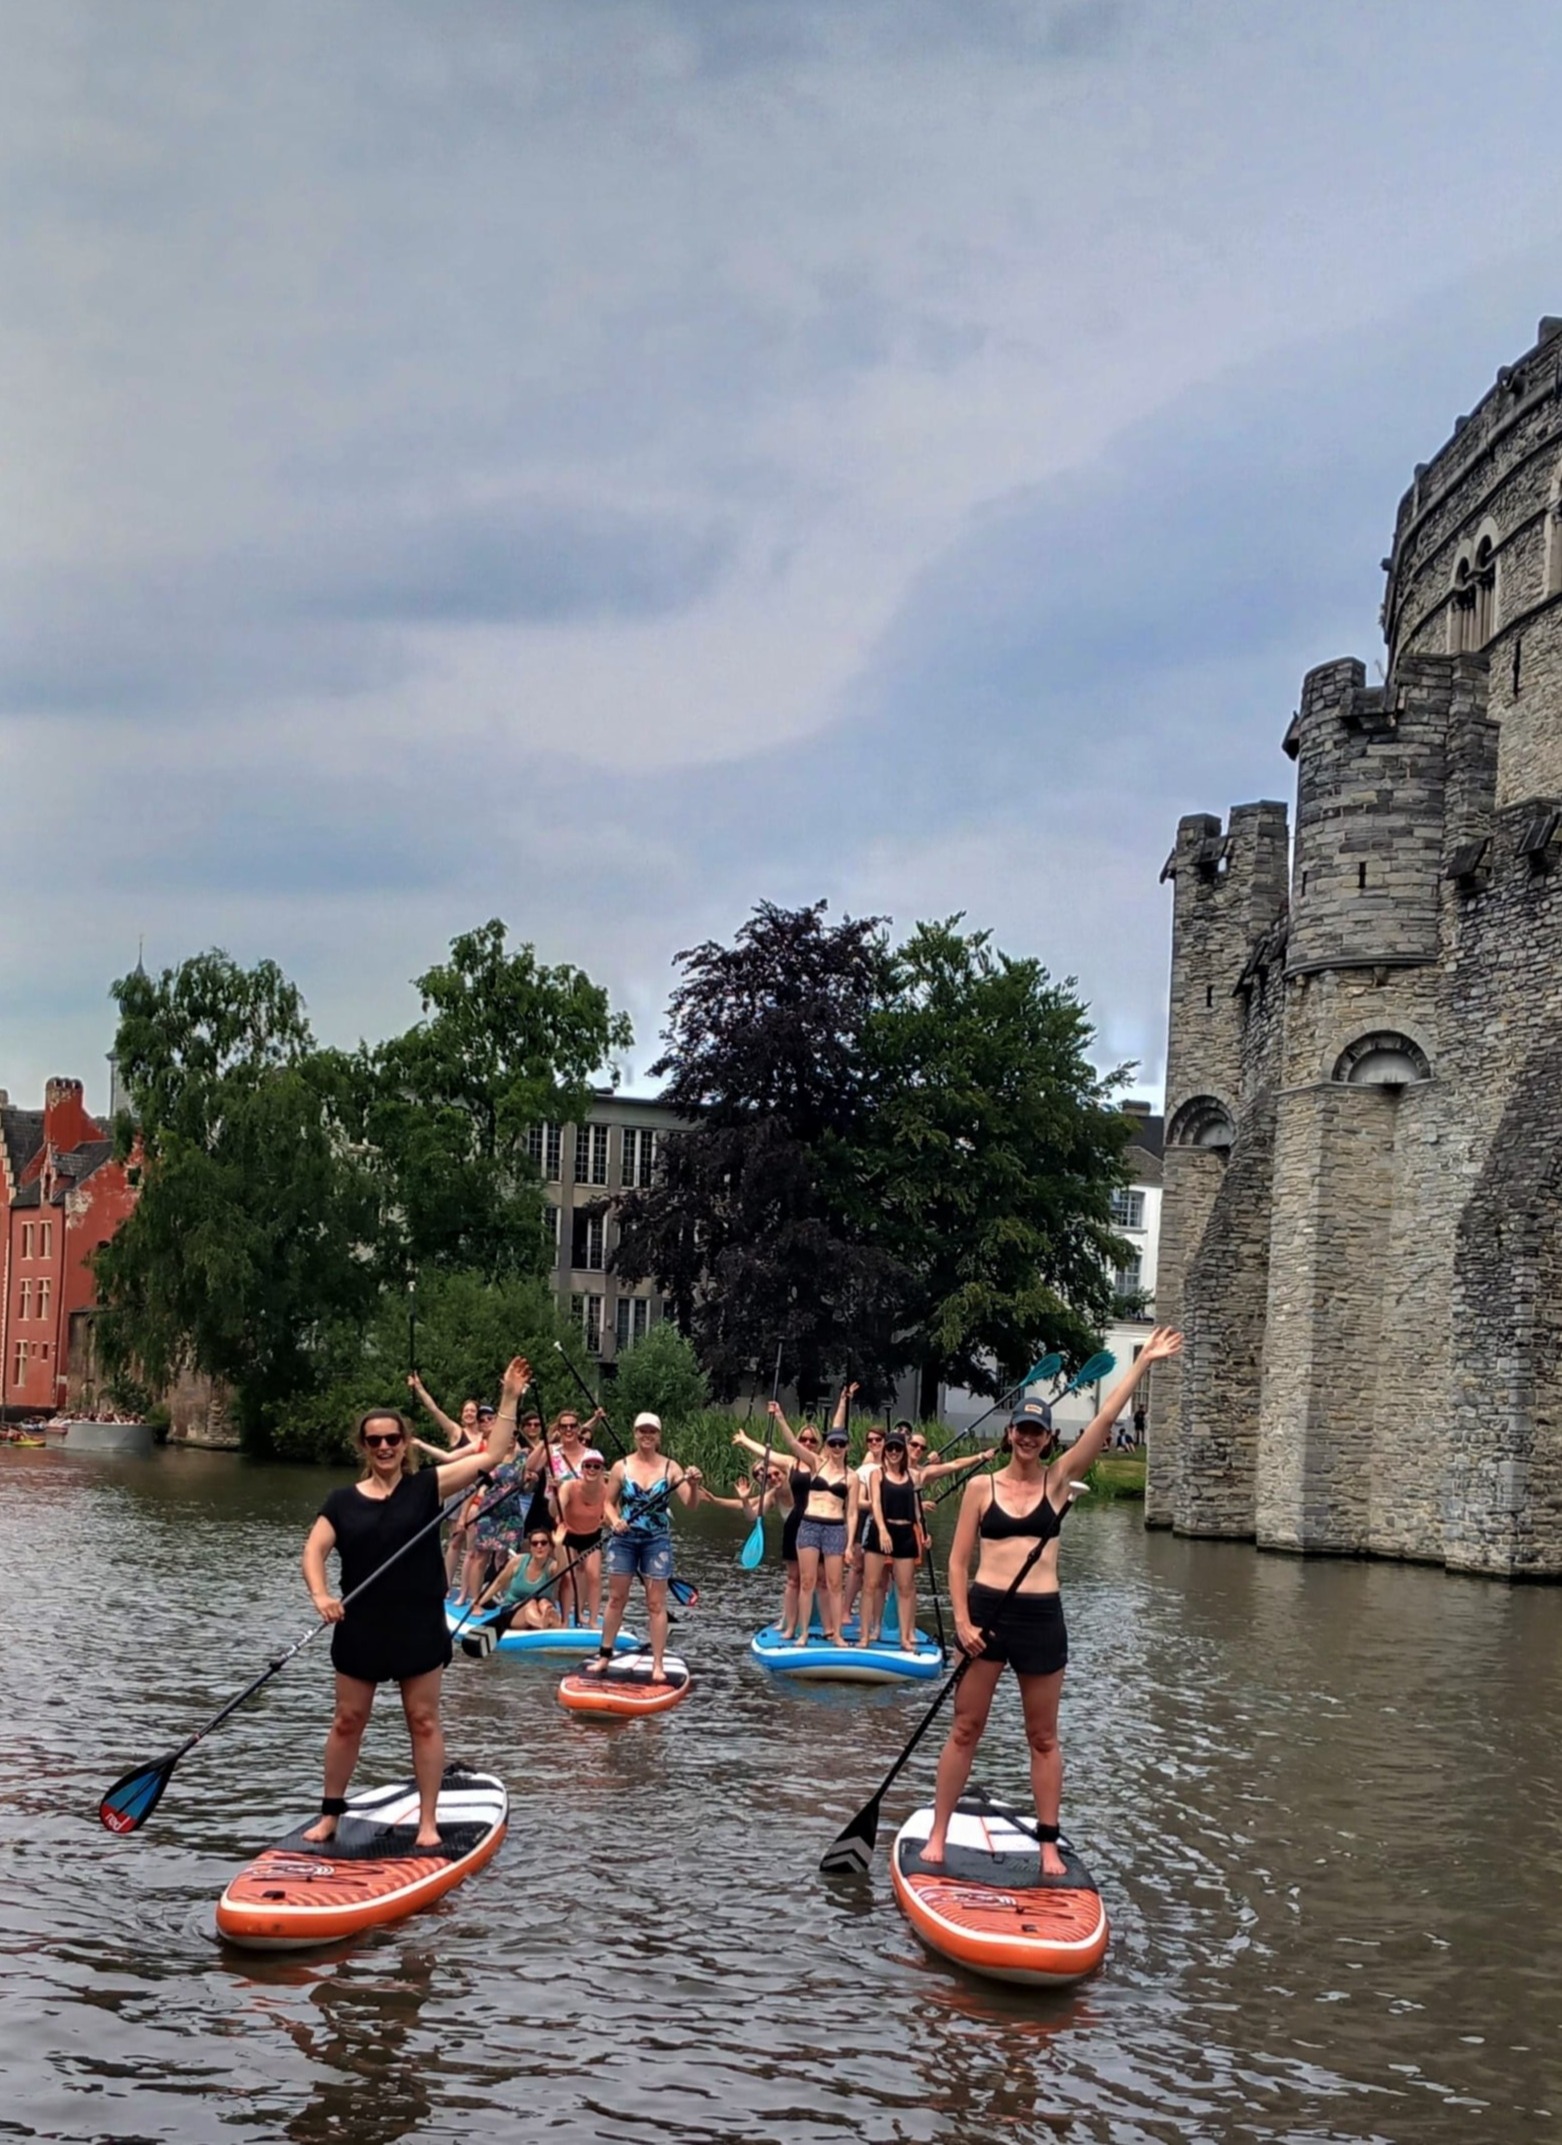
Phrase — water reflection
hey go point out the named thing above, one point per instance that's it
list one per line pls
(355, 2031)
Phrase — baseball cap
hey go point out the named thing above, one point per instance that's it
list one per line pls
(591, 1453)
(645, 1420)
(896, 1441)
(485, 1411)
(836, 1437)
(1031, 1415)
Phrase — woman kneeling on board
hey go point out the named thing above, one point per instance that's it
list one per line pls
(397, 1632)
(1013, 1519)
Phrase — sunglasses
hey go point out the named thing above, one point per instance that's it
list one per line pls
(813, 1441)
(379, 1439)
(591, 1467)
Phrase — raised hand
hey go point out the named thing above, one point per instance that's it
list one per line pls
(1163, 1342)
(517, 1376)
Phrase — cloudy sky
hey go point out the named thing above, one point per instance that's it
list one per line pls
(606, 462)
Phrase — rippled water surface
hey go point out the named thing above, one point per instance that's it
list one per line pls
(1322, 1801)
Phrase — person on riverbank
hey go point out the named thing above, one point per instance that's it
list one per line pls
(1012, 1614)
(396, 1632)
(528, 1584)
(640, 1491)
(582, 1503)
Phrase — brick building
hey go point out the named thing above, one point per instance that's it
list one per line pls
(62, 1194)
(1362, 1215)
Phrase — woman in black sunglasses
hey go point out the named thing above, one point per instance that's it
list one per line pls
(396, 1632)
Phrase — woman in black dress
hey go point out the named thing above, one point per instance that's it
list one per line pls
(396, 1632)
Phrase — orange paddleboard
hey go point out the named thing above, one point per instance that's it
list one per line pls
(989, 1909)
(297, 1893)
(625, 1686)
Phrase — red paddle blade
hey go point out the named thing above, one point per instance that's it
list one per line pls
(134, 1796)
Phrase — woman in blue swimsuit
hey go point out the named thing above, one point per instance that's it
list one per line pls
(640, 1491)
(1013, 1519)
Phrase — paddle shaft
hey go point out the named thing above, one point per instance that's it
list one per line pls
(622, 1450)
(754, 1547)
(959, 1482)
(1036, 1372)
(657, 1498)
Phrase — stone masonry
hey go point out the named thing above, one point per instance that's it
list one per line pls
(1362, 1221)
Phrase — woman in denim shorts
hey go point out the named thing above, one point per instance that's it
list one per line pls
(828, 1523)
(640, 1491)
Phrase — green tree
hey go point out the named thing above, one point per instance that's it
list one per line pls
(661, 1373)
(443, 1112)
(993, 1150)
(750, 1232)
(247, 1243)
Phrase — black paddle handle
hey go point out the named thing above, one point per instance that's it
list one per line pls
(592, 1400)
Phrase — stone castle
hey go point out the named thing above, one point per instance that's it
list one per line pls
(1362, 1220)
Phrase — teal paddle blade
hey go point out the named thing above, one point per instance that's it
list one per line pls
(752, 1554)
(1048, 1367)
(1099, 1366)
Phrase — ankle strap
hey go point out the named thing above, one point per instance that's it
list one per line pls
(333, 1805)
(1048, 1834)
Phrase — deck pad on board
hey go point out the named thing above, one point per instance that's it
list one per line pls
(988, 1907)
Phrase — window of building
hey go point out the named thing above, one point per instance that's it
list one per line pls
(1382, 1059)
(1127, 1208)
(19, 1364)
(24, 1299)
(45, 1239)
(632, 1319)
(1202, 1121)
(1472, 606)
(45, 1292)
(1127, 1279)
(588, 1239)
(591, 1154)
(544, 1143)
(588, 1309)
(27, 1239)
(640, 1147)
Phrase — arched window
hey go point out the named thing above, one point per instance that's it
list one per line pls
(1382, 1059)
(1472, 607)
(1202, 1121)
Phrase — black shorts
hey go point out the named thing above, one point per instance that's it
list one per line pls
(794, 1520)
(578, 1544)
(391, 1647)
(1025, 1630)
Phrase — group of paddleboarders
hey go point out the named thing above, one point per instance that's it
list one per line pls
(1008, 1614)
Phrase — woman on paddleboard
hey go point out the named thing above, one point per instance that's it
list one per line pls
(829, 1521)
(1012, 1613)
(396, 1632)
(528, 1583)
(582, 1502)
(640, 1491)
(806, 1443)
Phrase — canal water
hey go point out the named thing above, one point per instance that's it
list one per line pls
(1323, 1800)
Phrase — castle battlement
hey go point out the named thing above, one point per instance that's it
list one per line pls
(1362, 1216)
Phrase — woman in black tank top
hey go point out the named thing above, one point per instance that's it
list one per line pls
(892, 1541)
(1011, 1614)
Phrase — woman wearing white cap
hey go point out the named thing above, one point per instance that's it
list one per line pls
(640, 1490)
(582, 1515)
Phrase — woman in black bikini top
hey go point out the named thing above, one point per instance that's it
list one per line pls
(1011, 1612)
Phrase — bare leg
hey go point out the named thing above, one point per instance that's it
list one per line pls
(853, 1581)
(591, 1573)
(869, 1611)
(973, 1703)
(656, 1619)
(906, 1601)
(807, 1580)
(617, 1601)
(354, 1703)
(834, 1617)
(474, 1572)
(455, 1550)
(1039, 1695)
(420, 1703)
(789, 1602)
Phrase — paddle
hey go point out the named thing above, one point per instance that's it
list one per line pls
(135, 1795)
(1100, 1365)
(1048, 1367)
(906, 1638)
(852, 1848)
(752, 1554)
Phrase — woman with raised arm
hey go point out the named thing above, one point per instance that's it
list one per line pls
(805, 1443)
(829, 1521)
(1012, 1613)
(396, 1631)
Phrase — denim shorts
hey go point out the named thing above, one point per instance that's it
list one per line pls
(828, 1536)
(649, 1555)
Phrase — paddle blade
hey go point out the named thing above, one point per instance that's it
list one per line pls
(1047, 1368)
(479, 1644)
(752, 1554)
(850, 1853)
(134, 1796)
(1099, 1366)
(684, 1592)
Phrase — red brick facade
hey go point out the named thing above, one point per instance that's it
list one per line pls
(62, 1194)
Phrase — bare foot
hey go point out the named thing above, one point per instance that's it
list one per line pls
(1052, 1863)
(931, 1852)
(323, 1828)
(424, 1839)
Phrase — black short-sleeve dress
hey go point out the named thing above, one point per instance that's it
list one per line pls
(397, 1628)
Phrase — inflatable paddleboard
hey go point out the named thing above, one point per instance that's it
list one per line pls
(561, 1638)
(626, 1688)
(989, 1909)
(298, 1893)
(817, 1660)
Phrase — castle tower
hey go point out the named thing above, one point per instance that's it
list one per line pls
(1229, 890)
